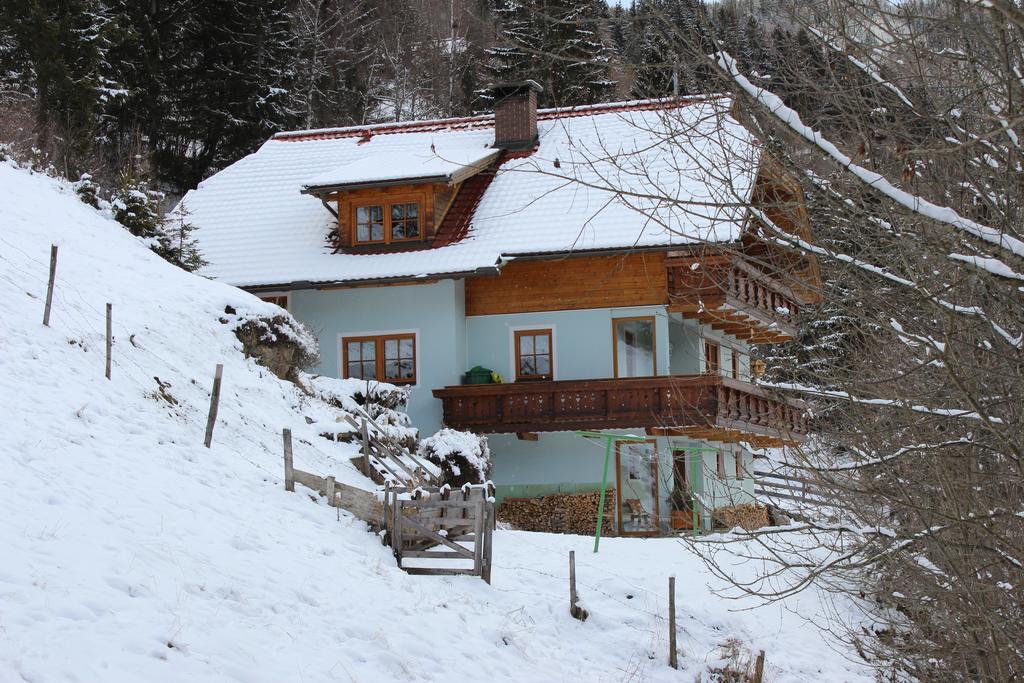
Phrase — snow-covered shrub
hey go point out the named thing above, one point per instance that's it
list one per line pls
(139, 208)
(176, 242)
(463, 457)
(88, 190)
(278, 342)
(378, 400)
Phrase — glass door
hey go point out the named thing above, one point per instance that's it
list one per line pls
(637, 486)
(634, 347)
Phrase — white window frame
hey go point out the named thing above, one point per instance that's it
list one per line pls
(378, 333)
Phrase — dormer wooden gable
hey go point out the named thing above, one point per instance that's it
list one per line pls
(399, 203)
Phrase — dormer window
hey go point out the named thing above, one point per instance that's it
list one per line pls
(385, 222)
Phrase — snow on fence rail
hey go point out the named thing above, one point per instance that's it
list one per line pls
(442, 531)
(362, 504)
(385, 462)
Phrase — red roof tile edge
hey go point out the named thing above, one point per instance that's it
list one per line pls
(486, 120)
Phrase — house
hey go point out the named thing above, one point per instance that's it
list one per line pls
(602, 260)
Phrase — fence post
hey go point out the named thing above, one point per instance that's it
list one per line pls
(49, 287)
(397, 542)
(110, 334)
(365, 435)
(289, 469)
(575, 610)
(478, 539)
(214, 401)
(673, 659)
(488, 542)
(759, 667)
(386, 538)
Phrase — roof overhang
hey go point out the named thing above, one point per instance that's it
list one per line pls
(453, 178)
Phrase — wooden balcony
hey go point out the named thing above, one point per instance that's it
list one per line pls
(700, 406)
(728, 294)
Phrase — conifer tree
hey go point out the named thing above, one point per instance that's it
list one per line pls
(557, 43)
(59, 46)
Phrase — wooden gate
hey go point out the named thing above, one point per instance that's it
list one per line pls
(440, 531)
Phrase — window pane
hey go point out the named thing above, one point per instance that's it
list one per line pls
(412, 228)
(397, 212)
(638, 498)
(406, 369)
(369, 349)
(526, 344)
(543, 364)
(391, 348)
(634, 348)
(369, 370)
(391, 369)
(406, 348)
(353, 351)
(369, 223)
(542, 343)
(355, 369)
(527, 366)
(398, 231)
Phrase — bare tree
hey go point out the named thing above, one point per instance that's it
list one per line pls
(901, 125)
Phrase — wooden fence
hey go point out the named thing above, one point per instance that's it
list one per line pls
(439, 530)
(775, 486)
(442, 531)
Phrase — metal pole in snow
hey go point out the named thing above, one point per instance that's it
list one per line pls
(608, 439)
(604, 487)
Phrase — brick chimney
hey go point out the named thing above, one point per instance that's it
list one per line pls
(515, 115)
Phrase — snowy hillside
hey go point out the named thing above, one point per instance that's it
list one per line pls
(130, 552)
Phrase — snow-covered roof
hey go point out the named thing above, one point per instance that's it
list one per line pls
(652, 173)
(429, 164)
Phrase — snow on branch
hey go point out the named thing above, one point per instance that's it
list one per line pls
(874, 460)
(791, 118)
(988, 264)
(866, 68)
(784, 238)
(846, 396)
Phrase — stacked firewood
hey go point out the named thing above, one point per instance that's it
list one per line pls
(749, 516)
(566, 513)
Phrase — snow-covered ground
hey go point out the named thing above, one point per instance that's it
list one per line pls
(129, 552)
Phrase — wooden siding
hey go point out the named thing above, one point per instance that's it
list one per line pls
(433, 200)
(637, 279)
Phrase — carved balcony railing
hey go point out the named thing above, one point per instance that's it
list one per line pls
(729, 294)
(700, 406)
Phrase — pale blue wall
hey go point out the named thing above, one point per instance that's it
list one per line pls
(436, 312)
(449, 343)
(582, 340)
